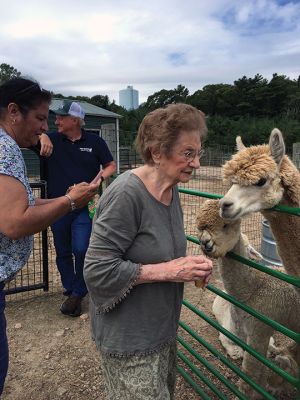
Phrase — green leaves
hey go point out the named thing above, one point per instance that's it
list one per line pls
(8, 72)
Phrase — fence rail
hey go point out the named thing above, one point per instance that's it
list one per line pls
(275, 325)
(36, 273)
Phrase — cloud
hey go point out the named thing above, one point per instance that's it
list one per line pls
(88, 48)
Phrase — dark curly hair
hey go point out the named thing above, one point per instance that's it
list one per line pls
(26, 93)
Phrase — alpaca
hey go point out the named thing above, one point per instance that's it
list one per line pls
(258, 290)
(228, 315)
(262, 177)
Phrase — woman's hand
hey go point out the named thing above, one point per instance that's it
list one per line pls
(183, 269)
(82, 193)
(189, 268)
(46, 145)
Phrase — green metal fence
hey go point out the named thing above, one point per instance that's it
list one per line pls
(199, 379)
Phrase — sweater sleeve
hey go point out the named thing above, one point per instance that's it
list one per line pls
(109, 276)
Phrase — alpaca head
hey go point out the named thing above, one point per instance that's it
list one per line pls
(254, 174)
(217, 235)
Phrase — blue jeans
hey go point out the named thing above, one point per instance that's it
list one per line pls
(3, 340)
(71, 235)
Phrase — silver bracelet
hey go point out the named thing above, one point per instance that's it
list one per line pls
(72, 202)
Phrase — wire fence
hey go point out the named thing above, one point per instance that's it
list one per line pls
(40, 273)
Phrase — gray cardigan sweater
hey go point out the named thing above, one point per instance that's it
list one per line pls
(131, 227)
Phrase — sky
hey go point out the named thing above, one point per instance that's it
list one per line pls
(99, 47)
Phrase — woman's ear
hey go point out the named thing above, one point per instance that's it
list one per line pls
(13, 112)
(155, 153)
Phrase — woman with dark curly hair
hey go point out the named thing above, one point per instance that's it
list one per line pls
(24, 108)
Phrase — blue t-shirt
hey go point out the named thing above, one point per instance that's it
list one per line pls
(74, 162)
(13, 253)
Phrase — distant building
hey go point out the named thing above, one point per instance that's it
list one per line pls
(129, 98)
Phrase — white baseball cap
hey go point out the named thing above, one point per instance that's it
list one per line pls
(69, 107)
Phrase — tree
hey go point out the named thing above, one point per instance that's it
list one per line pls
(251, 95)
(214, 99)
(101, 101)
(79, 98)
(8, 72)
(165, 97)
(293, 105)
(281, 88)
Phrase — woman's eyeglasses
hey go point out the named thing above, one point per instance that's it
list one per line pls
(190, 155)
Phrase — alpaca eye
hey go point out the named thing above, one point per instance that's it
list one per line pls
(225, 226)
(261, 182)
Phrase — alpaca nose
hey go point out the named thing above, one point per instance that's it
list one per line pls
(225, 205)
(206, 244)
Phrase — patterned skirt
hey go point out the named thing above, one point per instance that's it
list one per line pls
(141, 377)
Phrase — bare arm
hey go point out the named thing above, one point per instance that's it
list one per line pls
(46, 145)
(109, 169)
(18, 219)
(39, 202)
(183, 269)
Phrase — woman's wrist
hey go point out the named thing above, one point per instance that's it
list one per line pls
(150, 273)
(71, 201)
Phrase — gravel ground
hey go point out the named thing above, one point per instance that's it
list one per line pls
(52, 356)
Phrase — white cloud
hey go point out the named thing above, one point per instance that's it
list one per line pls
(97, 47)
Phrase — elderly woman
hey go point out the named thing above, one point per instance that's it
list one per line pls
(24, 108)
(136, 262)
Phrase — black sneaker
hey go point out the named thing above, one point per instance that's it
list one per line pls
(72, 306)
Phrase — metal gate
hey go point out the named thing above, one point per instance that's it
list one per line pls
(35, 274)
(198, 377)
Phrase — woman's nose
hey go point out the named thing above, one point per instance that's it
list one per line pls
(45, 126)
(195, 163)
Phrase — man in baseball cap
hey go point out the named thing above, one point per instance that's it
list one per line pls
(77, 156)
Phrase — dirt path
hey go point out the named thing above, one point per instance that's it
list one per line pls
(52, 356)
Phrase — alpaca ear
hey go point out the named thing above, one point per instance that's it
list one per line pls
(250, 250)
(277, 145)
(253, 254)
(239, 144)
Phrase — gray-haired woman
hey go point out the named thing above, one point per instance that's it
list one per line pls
(136, 262)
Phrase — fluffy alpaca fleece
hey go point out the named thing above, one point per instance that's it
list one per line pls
(228, 315)
(258, 290)
(260, 178)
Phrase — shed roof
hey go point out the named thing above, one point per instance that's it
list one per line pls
(88, 108)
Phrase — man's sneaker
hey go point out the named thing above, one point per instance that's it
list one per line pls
(72, 306)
